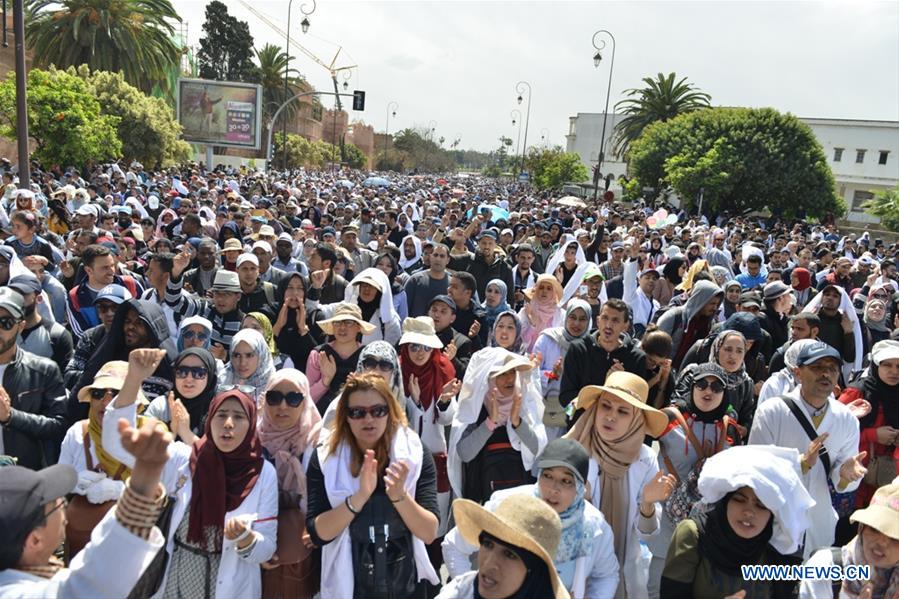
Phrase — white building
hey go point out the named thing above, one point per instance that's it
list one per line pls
(863, 155)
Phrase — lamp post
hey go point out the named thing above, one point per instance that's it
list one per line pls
(18, 16)
(516, 119)
(391, 111)
(305, 26)
(597, 58)
(520, 87)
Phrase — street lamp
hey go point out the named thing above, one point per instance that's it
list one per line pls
(597, 58)
(347, 75)
(516, 118)
(520, 87)
(305, 27)
(391, 111)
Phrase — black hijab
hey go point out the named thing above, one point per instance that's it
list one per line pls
(537, 583)
(198, 407)
(878, 393)
(686, 405)
(724, 548)
(671, 268)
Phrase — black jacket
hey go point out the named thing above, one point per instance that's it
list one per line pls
(484, 273)
(86, 348)
(38, 419)
(464, 349)
(586, 363)
(192, 278)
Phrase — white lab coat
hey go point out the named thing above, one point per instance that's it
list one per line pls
(775, 424)
(108, 567)
(239, 577)
(643, 307)
(635, 567)
(594, 575)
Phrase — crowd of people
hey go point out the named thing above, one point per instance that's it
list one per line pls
(225, 383)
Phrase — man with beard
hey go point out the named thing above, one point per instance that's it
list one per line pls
(41, 336)
(32, 396)
(425, 285)
(199, 279)
(285, 260)
(362, 257)
(522, 275)
(99, 266)
(485, 265)
(836, 328)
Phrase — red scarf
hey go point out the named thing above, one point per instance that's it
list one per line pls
(432, 375)
(221, 481)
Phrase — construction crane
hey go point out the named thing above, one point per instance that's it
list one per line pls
(331, 68)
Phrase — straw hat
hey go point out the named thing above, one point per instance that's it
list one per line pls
(557, 287)
(233, 245)
(345, 311)
(522, 521)
(420, 330)
(882, 514)
(110, 376)
(631, 389)
(511, 361)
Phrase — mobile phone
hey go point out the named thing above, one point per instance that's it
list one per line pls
(382, 228)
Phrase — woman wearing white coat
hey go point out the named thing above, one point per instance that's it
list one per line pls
(625, 481)
(224, 520)
(370, 290)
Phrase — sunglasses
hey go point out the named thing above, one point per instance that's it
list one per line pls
(197, 372)
(702, 385)
(379, 411)
(373, 363)
(416, 348)
(8, 322)
(101, 393)
(245, 389)
(293, 398)
(189, 335)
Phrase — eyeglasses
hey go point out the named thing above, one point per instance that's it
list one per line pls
(197, 372)
(105, 307)
(189, 335)
(7, 323)
(293, 398)
(702, 385)
(101, 393)
(417, 348)
(374, 363)
(379, 411)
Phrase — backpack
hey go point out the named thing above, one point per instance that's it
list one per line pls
(686, 493)
(383, 554)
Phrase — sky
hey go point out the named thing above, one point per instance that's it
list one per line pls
(454, 65)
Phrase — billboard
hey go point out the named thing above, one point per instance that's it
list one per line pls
(221, 113)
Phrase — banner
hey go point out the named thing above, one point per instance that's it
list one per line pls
(221, 113)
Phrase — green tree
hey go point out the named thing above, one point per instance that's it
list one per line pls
(885, 206)
(743, 159)
(131, 36)
(354, 157)
(147, 127)
(273, 64)
(661, 100)
(226, 50)
(549, 168)
(64, 119)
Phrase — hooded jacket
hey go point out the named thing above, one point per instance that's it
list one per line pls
(113, 348)
(676, 320)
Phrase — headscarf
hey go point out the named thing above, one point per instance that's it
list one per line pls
(558, 258)
(198, 407)
(544, 312)
(221, 481)
(687, 406)
(407, 262)
(878, 394)
(179, 343)
(560, 334)
(287, 445)
(267, 331)
(578, 528)
(736, 377)
(687, 283)
(672, 268)
(876, 325)
(501, 403)
(884, 580)
(432, 375)
(160, 224)
(492, 313)
(111, 466)
(264, 371)
(382, 350)
(614, 457)
(724, 548)
(517, 345)
(805, 278)
(537, 583)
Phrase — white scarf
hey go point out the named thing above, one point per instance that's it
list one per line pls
(337, 557)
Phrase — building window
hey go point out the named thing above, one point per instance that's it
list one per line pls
(859, 198)
(883, 156)
(860, 156)
(837, 154)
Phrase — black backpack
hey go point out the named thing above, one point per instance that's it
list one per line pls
(383, 555)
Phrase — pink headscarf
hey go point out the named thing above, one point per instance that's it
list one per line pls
(286, 445)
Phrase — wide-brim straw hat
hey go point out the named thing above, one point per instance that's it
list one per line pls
(521, 520)
(631, 389)
(882, 514)
(557, 287)
(420, 330)
(346, 311)
(110, 376)
(511, 361)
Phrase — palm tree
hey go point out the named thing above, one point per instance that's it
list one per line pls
(273, 63)
(661, 100)
(131, 36)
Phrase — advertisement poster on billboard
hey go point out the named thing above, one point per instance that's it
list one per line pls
(220, 113)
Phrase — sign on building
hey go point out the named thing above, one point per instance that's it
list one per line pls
(221, 113)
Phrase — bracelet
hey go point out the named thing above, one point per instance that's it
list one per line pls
(651, 514)
(246, 532)
(398, 500)
(350, 507)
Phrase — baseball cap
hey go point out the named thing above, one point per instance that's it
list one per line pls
(566, 453)
(285, 237)
(446, 300)
(817, 351)
(329, 231)
(267, 231)
(708, 369)
(114, 293)
(264, 246)
(25, 492)
(488, 233)
(86, 210)
(12, 302)
(248, 258)
(887, 349)
(25, 283)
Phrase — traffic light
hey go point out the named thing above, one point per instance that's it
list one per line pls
(358, 100)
